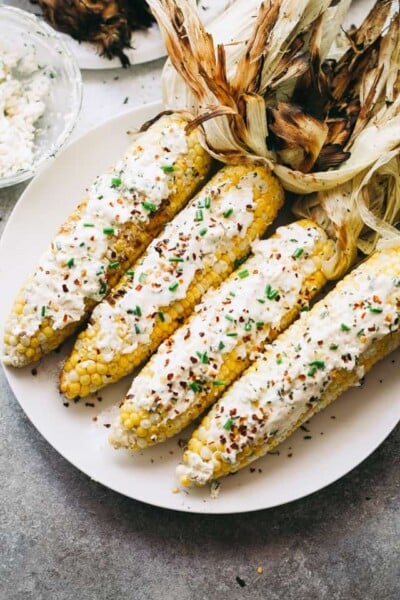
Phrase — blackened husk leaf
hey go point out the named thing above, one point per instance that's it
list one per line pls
(106, 23)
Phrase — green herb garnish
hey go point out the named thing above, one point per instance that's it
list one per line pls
(298, 252)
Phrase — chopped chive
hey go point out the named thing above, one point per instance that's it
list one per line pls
(228, 424)
(103, 287)
(114, 265)
(279, 361)
(150, 206)
(260, 323)
(167, 168)
(203, 356)
(305, 308)
(333, 347)
(173, 287)
(312, 371)
(396, 281)
(203, 231)
(195, 386)
(70, 262)
(130, 272)
(137, 329)
(199, 215)
(361, 332)
(232, 294)
(298, 252)
(175, 260)
(344, 327)
(115, 182)
(317, 363)
(43, 311)
(88, 225)
(228, 213)
(229, 318)
(207, 201)
(375, 309)
(221, 346)
(231, 334)
(247, 327)
(260, 300)
(239, 261)
(108, 230)
(138, 311)
(243, 274)
(216, 382)
(142, 278)
(161, 316)
(270, 292)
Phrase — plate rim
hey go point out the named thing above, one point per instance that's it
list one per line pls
(206, 508)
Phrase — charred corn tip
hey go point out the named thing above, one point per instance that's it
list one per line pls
(238, 203)
(324, 353)
(62, 292)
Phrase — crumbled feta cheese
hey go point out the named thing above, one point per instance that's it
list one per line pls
(23, 87)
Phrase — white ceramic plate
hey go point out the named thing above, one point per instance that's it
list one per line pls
(363, 417)
(147, 45)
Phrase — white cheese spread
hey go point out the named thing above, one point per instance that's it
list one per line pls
(23, 89)
(239, 316)
(290, 377)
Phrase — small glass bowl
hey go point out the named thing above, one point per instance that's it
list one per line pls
(22, 33)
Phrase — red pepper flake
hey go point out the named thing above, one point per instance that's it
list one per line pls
(89, 404)
(66, 404)
(107, 425)
(34, 372)
(240, 581)
(65, 288)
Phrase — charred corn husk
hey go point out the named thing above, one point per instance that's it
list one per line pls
(109, 230)
(192, 368)
(195, 251)
(308, 366)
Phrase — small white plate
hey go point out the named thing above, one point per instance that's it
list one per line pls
(147, 45)
(363, 417)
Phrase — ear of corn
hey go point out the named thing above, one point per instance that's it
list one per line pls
(309, 365)
(196, 251)
(109, 230)
(192, 368)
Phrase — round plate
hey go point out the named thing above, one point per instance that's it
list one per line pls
(147, 45)
(341, 437)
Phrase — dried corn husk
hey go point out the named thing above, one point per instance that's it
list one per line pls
(357, 213)
(289, 40)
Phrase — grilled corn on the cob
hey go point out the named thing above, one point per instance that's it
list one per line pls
(192, 368)
(122, 212)
(308, 366)
(196, 251)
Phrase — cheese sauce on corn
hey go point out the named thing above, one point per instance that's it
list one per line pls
(237, 316)
(75, 266)
(294, 371)
(188, 244)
